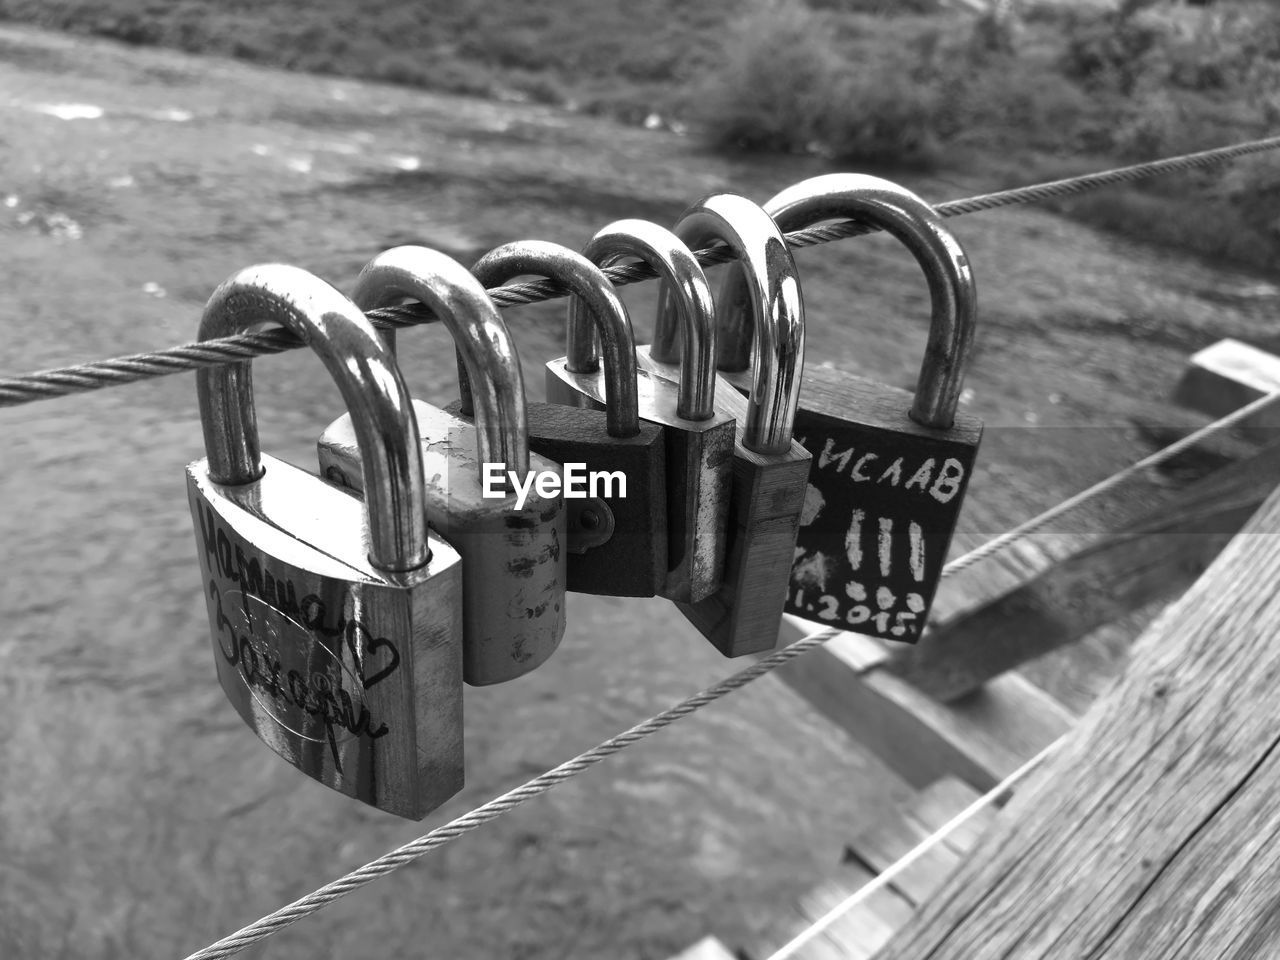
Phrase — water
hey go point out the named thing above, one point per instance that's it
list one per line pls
(138, 816)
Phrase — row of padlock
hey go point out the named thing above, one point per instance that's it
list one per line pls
(732, 481)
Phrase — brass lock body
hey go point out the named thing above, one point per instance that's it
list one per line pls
(511, 542)
(336, 626)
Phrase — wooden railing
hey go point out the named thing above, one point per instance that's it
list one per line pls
(1152, 833)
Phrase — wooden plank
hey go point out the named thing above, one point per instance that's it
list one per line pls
(940, 802)
(1160, 424)
(861, 930)
(857, 933)
(1228, 375)
(1154, 559)
(795, 918)
(788, 923)
(981, 739)
(888, 841)
(1153, 830)
(1168, 425)
(708, 948)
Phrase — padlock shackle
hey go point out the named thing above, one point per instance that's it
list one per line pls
(683, 283)
(953, 291)
(483, 343)
(585, 282)
(366, 375)
(772, 293)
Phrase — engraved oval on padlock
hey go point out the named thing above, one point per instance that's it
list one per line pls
(889, 471)
(699, 439)
(624, 458)
(771, 470)
(511, 542)
(335, 624)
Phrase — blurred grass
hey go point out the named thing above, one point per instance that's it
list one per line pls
(863, 82)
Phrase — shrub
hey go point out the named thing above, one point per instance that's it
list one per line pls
(1252, 188)
(1191, 222)
(779, 83)
(884, 91)
(887, 8)
(1115, 51)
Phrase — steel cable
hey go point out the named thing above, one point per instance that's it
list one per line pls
(117, 371)
(28, 388)
(390, 862)
(881, 880)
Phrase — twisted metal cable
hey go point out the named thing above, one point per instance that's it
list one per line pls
(881, 880)
(82, 378)
(402, 856)
(1164, 454)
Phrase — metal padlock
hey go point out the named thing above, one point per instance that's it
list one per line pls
(510, 536)
(699, 438)
(336, 628)
(770, 469)
(617, 531)
(889, 472)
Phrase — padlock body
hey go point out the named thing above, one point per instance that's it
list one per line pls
(513, 558)
(620, 490)
(351, 674)
(699, 475)
(884, 497)
(745, 614)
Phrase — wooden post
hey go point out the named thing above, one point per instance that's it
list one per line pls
(981, 739)
(1155, 557)
(1153, 833)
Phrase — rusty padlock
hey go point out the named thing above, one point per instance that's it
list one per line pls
(617, 530)
(336, 625)
(771, 470)
(699, 439)
(889, 473)
(481, 493)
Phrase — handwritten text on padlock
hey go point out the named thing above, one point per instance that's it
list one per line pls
(275, 639)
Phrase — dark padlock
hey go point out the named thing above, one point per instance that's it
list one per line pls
(889, 472)
(336, 625)
(771, 470)
(699, 439)
(617, 527)
(510, 535)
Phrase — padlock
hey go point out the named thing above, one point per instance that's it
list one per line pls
(770, 469)
(699, 439)
(510, 534)
(336, 626)
(889, 472)
(617, 529)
